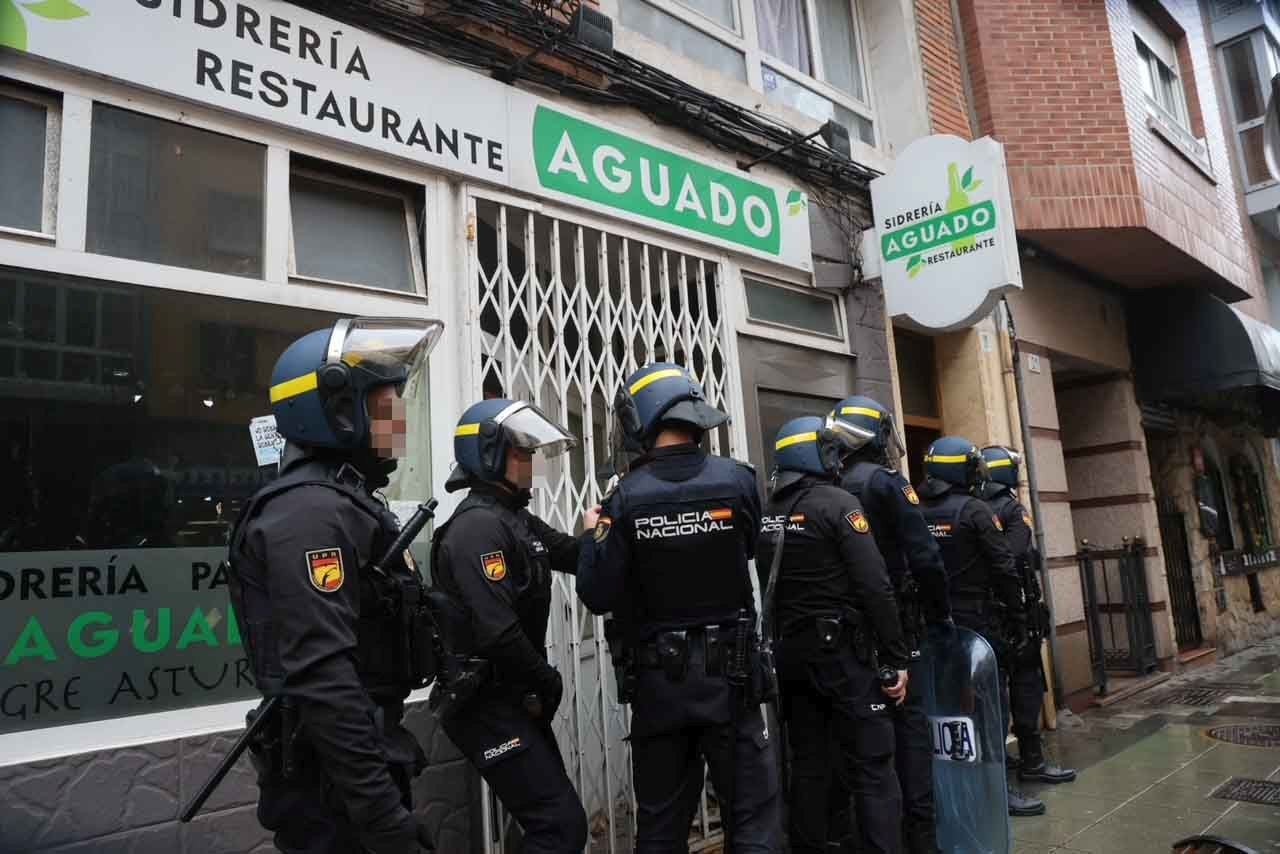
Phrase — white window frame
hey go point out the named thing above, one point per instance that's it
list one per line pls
(410, 222)
(1152, 65)
(1266, 59)
(747, 42)
(809, 336)
(76, 92)
(52, 141)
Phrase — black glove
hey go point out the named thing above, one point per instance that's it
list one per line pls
(550, 689)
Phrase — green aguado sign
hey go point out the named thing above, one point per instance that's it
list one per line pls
(955, 225)
(584, 160)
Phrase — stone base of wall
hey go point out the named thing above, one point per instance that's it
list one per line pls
(126, 801)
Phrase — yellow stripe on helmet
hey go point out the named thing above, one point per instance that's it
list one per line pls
(995, 464)
(644, 381)
(788, 441)
(467, 430)
(861, 410)
(293, 387)
(959, 458)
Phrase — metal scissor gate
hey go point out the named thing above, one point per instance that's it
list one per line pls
(565, 312)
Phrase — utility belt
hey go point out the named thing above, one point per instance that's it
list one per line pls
(280, 750)
(830, 633)
(460, 674)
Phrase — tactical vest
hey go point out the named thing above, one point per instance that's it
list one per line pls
(531, 576)
(967, 576)
(383, 655)
(689, 563)
(857, 481)
(1009, 511)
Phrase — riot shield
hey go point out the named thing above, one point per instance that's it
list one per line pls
(962, 700)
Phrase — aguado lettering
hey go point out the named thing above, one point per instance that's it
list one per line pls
(938, 230)
(590, 162)
(93, 634)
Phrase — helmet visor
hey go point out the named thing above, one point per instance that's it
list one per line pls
(850, 436)
(387, 350)
(530, 430)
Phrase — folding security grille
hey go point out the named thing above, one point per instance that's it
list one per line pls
(566, 312)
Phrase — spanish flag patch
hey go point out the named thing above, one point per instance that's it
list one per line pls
(858, 522)
(910, 492)
(324, 567)
(999, 525)
(603, 526)
(495, 566)
(721, 515)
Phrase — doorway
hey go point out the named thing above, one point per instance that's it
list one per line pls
(784, 381)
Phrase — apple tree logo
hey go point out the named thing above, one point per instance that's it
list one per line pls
(13, 26)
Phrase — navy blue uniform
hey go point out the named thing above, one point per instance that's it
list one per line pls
(1025, 676)
(669, 560)
(496, 558)
(837, 620)
(317, 633)
(919, 578)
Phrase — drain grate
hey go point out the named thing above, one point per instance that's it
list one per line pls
(1249, 735)
(1263, 792)
(1200, 694)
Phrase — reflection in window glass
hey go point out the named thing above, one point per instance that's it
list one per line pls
(720, 11)
(350, 235)
(1242, 78)
(810, 312)
(783, 29)
(22, 141)
(683, 39)
(1252, 142)
(783, 90)
(121, 489)
(173, 194)
(839, 47)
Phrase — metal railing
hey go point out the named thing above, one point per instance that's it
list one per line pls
(1117, 610)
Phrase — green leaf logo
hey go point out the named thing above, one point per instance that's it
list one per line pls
(966, 182)
(13, 27)
(796, 202)
(914, 266)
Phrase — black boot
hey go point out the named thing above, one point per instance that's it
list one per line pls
(922, 839)
(1035, 768)
(1024, 805)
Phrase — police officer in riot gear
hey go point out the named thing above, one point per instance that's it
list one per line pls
(919, 579)
(323, 631)
(494, 559)
(986, 593)
(1024, 670)
(669, 558)
(838, 629)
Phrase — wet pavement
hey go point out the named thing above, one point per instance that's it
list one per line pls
(1149, 770)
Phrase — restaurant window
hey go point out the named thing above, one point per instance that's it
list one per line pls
(1251, 505)
(174, 194)
(29, 139)
(350, 228)
(127, 455)
(683, 36)
(800, 309)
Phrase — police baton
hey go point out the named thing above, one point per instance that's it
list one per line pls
(425, 513)
(260, 718)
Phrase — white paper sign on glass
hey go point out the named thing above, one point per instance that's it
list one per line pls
(945, 232)
(268, 444)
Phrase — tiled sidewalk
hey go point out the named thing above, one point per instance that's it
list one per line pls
(1147, 773)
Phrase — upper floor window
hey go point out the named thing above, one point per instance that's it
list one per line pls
(1158, 57)
(1248, 64)
(29, 123)
(804, 54)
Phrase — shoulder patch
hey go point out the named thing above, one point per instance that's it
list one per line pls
(996, 519)
(495, 565)
(910, 491)
(1026, 518)
(858, 522)
(324, 567)
(603, 527)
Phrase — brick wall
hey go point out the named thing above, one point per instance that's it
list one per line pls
(1057, 81)
(940, 59)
